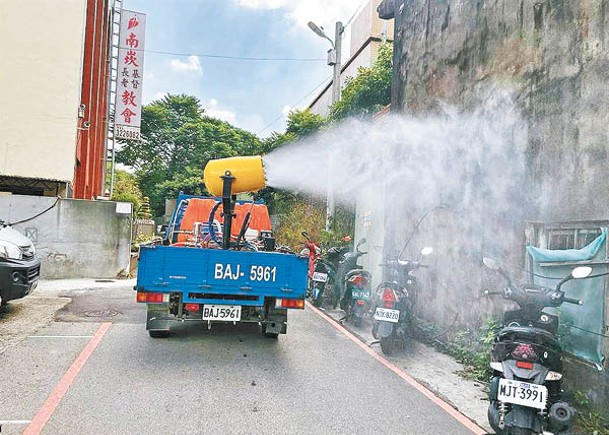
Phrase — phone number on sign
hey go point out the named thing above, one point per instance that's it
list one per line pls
(122, 133)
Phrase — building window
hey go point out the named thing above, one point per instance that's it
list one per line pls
(571, 238)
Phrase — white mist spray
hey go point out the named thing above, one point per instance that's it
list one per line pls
(401, 168)
(449, 158)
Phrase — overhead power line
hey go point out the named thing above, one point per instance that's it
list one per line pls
(295, 104)
(220, 56)
(356, 12)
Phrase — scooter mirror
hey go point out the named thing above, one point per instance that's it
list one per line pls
(490, 263)
(361, 241)
(426, 250)
(581, 272)
(305, 234)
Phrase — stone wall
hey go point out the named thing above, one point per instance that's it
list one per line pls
(74, 238)
(552, 54)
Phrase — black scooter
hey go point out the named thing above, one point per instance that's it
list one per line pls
(354, 287)
(394, 302)
(324, 276)
(526, 359)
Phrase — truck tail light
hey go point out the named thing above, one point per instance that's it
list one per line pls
(290, 303)
(152, 298)
(192, 307)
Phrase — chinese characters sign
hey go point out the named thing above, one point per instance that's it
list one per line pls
(130, 74)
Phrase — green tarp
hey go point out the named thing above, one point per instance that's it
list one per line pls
(581, 326)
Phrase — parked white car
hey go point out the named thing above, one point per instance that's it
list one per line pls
(19, 266)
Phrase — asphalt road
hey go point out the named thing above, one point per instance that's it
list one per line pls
(95, 370)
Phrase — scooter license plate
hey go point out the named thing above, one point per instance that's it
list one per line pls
(387, 315)
(320, 276)
(360, 294)
(522, 393)
(222, 313)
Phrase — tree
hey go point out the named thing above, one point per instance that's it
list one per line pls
(363, 95)
(370, 90)
(178, 140)
(126, 189)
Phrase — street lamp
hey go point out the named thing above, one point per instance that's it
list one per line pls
(333, 54)
(334, 61)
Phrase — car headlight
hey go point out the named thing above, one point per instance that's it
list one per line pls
(9, 250)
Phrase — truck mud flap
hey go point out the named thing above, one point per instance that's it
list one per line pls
(157, 317)
(275, 321)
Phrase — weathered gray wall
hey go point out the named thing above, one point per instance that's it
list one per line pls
(76, 238)
(553, 55)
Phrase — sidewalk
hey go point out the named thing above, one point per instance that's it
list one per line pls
(435, 370)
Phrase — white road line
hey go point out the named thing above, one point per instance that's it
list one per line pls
(15, 422)
(59, 336)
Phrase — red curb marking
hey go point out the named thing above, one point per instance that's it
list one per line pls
(422, 389)
(60, 390)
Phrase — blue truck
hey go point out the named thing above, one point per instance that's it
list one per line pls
(217, 263)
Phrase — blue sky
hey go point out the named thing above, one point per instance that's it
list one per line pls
(253, 95)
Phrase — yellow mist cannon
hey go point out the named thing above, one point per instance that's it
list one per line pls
(229, 177)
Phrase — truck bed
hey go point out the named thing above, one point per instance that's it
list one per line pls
(214, 276)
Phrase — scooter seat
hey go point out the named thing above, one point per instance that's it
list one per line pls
(527, 334)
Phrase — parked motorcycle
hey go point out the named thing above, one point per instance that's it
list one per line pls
(355, 288)
(394, 301)
(324, 276)
(526, 359)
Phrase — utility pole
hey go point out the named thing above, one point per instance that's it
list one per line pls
(334, 55)
(330, 206)
(336, 61)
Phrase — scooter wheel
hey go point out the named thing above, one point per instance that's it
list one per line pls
(388, 345)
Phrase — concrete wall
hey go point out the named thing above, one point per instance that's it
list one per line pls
(41, 43)
(367, 33)
(552, 55)
(367, 24)
(76, 238)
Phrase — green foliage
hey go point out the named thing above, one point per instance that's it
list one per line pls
(189, 181)
(141, 239)
(300, 214)
(126, 189)
(472, 348)
(178, 141)
(302, 123)
(565, 337)
(144, 210)
(588, 421)
(343, 224)
(370, 90)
